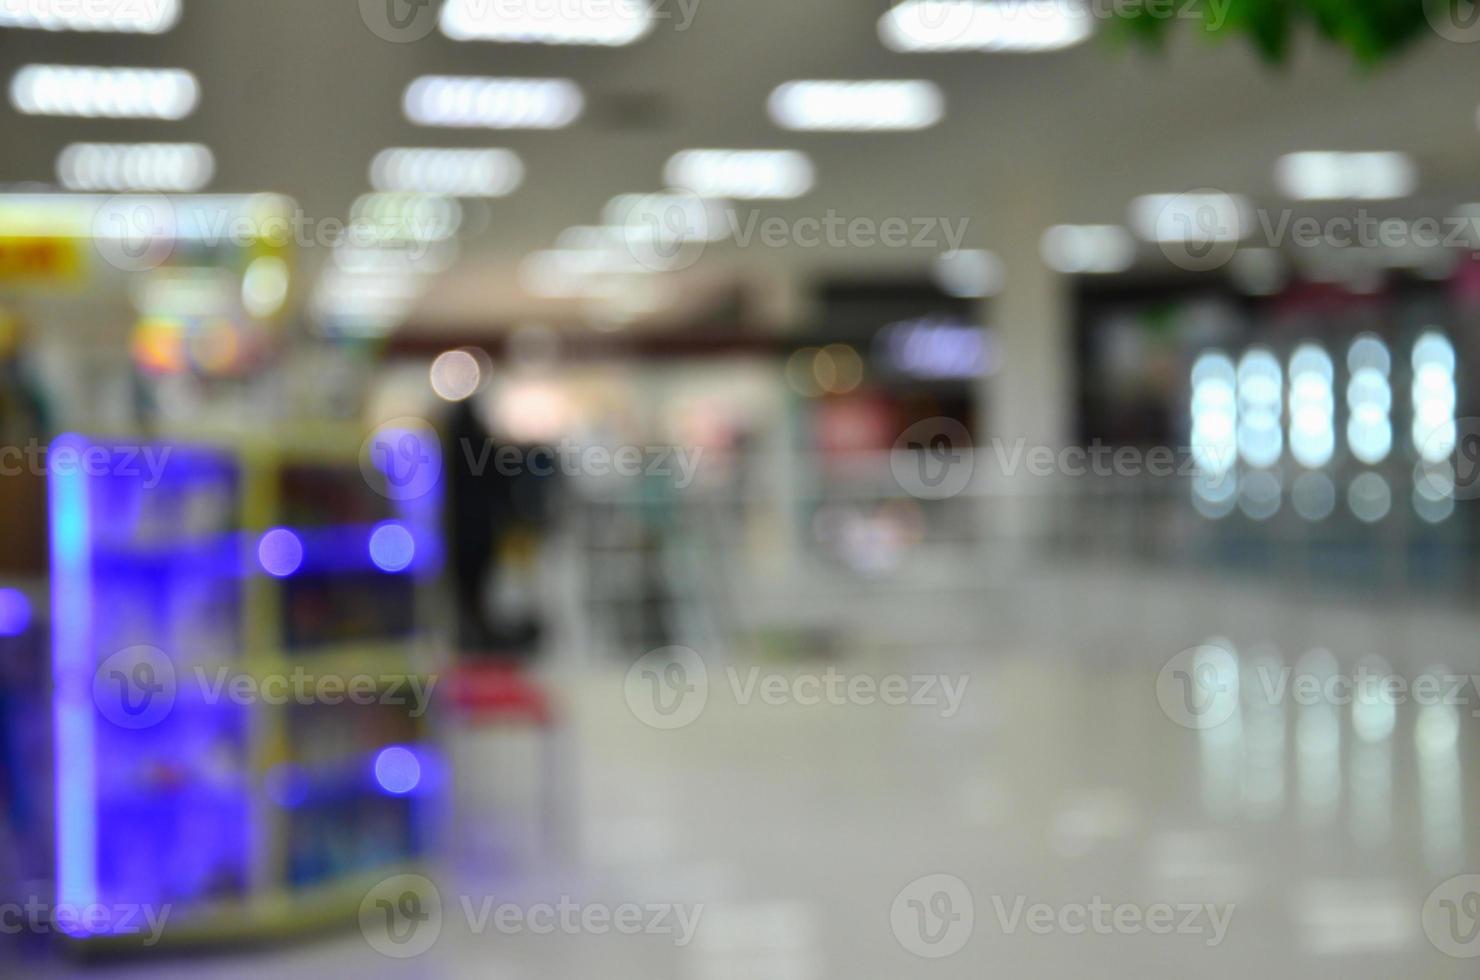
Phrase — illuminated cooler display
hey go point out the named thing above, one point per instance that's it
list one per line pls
(1240, 430)
(182, 574)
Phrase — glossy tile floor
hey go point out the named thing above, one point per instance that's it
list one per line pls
(1096, 801)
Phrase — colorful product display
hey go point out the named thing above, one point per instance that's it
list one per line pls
(237, 715)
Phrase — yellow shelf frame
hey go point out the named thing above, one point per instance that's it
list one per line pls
(271, 912)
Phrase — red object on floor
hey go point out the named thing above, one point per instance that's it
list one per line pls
(498, 693)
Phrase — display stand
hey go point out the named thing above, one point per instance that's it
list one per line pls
(239, 639)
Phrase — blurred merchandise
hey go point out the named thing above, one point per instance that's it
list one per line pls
(178, 784)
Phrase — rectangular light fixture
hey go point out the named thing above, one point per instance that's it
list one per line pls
(741, 174)
(857, 105)
(383, 218)
(120, 16)
(396, 259)
(610, 23)
(1321, 175)
(175, 167)
(451, 172)
(107, 93)
(985, 25)
(473, 102)
(666, 217)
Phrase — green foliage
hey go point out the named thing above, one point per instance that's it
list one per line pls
(1371, 29)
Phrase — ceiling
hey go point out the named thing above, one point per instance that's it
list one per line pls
(297, 97)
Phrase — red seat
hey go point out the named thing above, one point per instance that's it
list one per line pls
(497, 693)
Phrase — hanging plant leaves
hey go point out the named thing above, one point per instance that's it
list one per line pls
(1372, 30)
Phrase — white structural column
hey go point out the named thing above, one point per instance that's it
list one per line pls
(1029, 398)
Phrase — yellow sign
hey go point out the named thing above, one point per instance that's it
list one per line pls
(39, 261)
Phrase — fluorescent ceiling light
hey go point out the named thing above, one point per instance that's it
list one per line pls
(384, 218)
(176, 167)
(119, 16)
(588, 238)
(493, 103)
(111, 93)
(858, 106)
(666, 217)
(741, 174)
(396, 259)
(602, 22)
(1199, 216)
(1317, 175)
(985, 25)
(456, 173)
(1088, 248)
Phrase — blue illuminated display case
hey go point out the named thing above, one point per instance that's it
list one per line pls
(241, 677)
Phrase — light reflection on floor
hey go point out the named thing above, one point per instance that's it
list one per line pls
(1062, 780)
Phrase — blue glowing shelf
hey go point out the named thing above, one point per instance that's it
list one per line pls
(163, 789)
